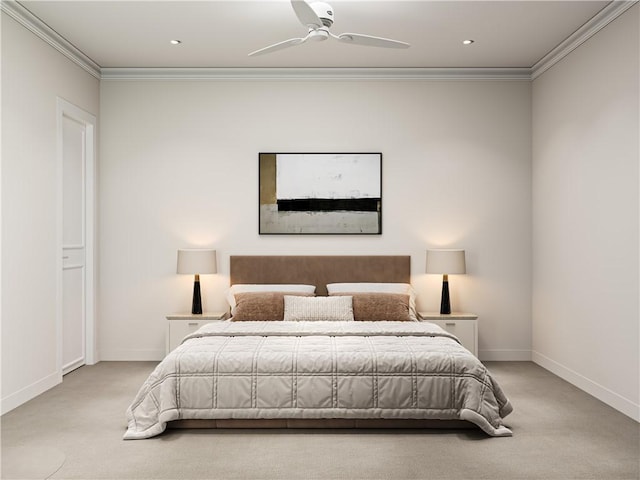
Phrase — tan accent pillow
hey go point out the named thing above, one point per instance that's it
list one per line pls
(375, 307)
(364, 287)
(294, 289)
(254, 306)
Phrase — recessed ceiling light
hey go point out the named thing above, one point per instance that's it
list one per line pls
(175, 42)
(467, 42)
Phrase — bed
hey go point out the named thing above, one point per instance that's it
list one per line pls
(319, 341)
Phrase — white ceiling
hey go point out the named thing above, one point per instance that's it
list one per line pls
(222, 33)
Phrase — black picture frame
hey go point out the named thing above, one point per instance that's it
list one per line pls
(320, 193)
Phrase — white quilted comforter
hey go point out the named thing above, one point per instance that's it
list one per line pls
(252, 370)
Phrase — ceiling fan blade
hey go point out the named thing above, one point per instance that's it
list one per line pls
(369, 41)
(305, 14)
(279, 46)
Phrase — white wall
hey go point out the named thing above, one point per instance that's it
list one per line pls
(33, 75)
(585, 216)
(179, 168)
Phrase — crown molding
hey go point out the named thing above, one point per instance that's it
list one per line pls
(603, 18)
(32, 23)
(315, 74)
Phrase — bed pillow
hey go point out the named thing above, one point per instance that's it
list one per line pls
(253, 306)
(403, 288)
(298, 309)
(267, 287)
(375, 307)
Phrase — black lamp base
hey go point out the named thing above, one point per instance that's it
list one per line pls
(445, 304)
(196, 304)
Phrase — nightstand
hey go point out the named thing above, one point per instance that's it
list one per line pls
(179, 325)
(462, 325)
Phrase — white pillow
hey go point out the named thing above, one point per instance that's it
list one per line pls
(266, 287)
(364, 287)
(298, 309)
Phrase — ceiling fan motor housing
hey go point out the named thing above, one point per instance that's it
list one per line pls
(324, 12)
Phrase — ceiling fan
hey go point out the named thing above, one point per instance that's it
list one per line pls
(318, 18)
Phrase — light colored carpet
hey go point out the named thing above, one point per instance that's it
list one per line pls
(31, 461)
(559, 433)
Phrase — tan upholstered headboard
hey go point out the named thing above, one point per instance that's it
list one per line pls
(319, 270)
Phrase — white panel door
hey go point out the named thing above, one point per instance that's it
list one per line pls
(73, 244)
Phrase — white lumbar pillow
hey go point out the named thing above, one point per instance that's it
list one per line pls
(300, 309)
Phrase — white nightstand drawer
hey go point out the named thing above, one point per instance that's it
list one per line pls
(179, 330)
(464, 330)
(181, 325)
(462, 325)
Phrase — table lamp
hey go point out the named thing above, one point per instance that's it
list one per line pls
(197, 262)
(446, 262)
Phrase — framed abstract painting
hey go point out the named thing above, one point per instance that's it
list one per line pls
(320, 193)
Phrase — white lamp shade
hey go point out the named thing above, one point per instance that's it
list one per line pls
(446, 261)
(197, 261)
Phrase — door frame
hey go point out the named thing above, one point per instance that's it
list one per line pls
(71, 111)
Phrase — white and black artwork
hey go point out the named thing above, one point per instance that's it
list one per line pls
(320, 193)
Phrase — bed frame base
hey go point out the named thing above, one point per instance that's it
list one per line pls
(321, 423)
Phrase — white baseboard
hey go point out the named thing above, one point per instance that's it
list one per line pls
(611, 398)
(130, 355)
(504, 355)
(29, 392)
